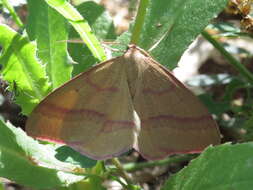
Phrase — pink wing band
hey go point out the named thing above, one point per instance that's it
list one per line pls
(180, 119)
(98, 88)
(52, 110)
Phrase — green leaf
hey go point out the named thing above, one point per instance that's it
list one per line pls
(93, 182)
(226, 29)
(89, 184)
(234, 85)
(81, 26)
(123, 40)
(248, 126)
(170, 27)
(1, 185)
(26, 162)
(213, 106)
(98, 19)
(222, 167)
(50, 30)
(67, 154)
(102, 25)
(22, 69)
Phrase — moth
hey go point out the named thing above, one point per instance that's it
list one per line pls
(130, 101)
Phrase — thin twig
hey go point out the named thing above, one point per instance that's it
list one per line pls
(10, 8)
(138, 166)
(122, 171)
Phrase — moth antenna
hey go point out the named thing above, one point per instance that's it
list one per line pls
(105, 44)
(111, 42)
(75, 41)
(79, 41)
(158, 42)
(111, 48)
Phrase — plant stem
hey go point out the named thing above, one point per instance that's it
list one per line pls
(10, 8)
(139, 21)
(240, 67)
(122, 171)
(137, 166)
